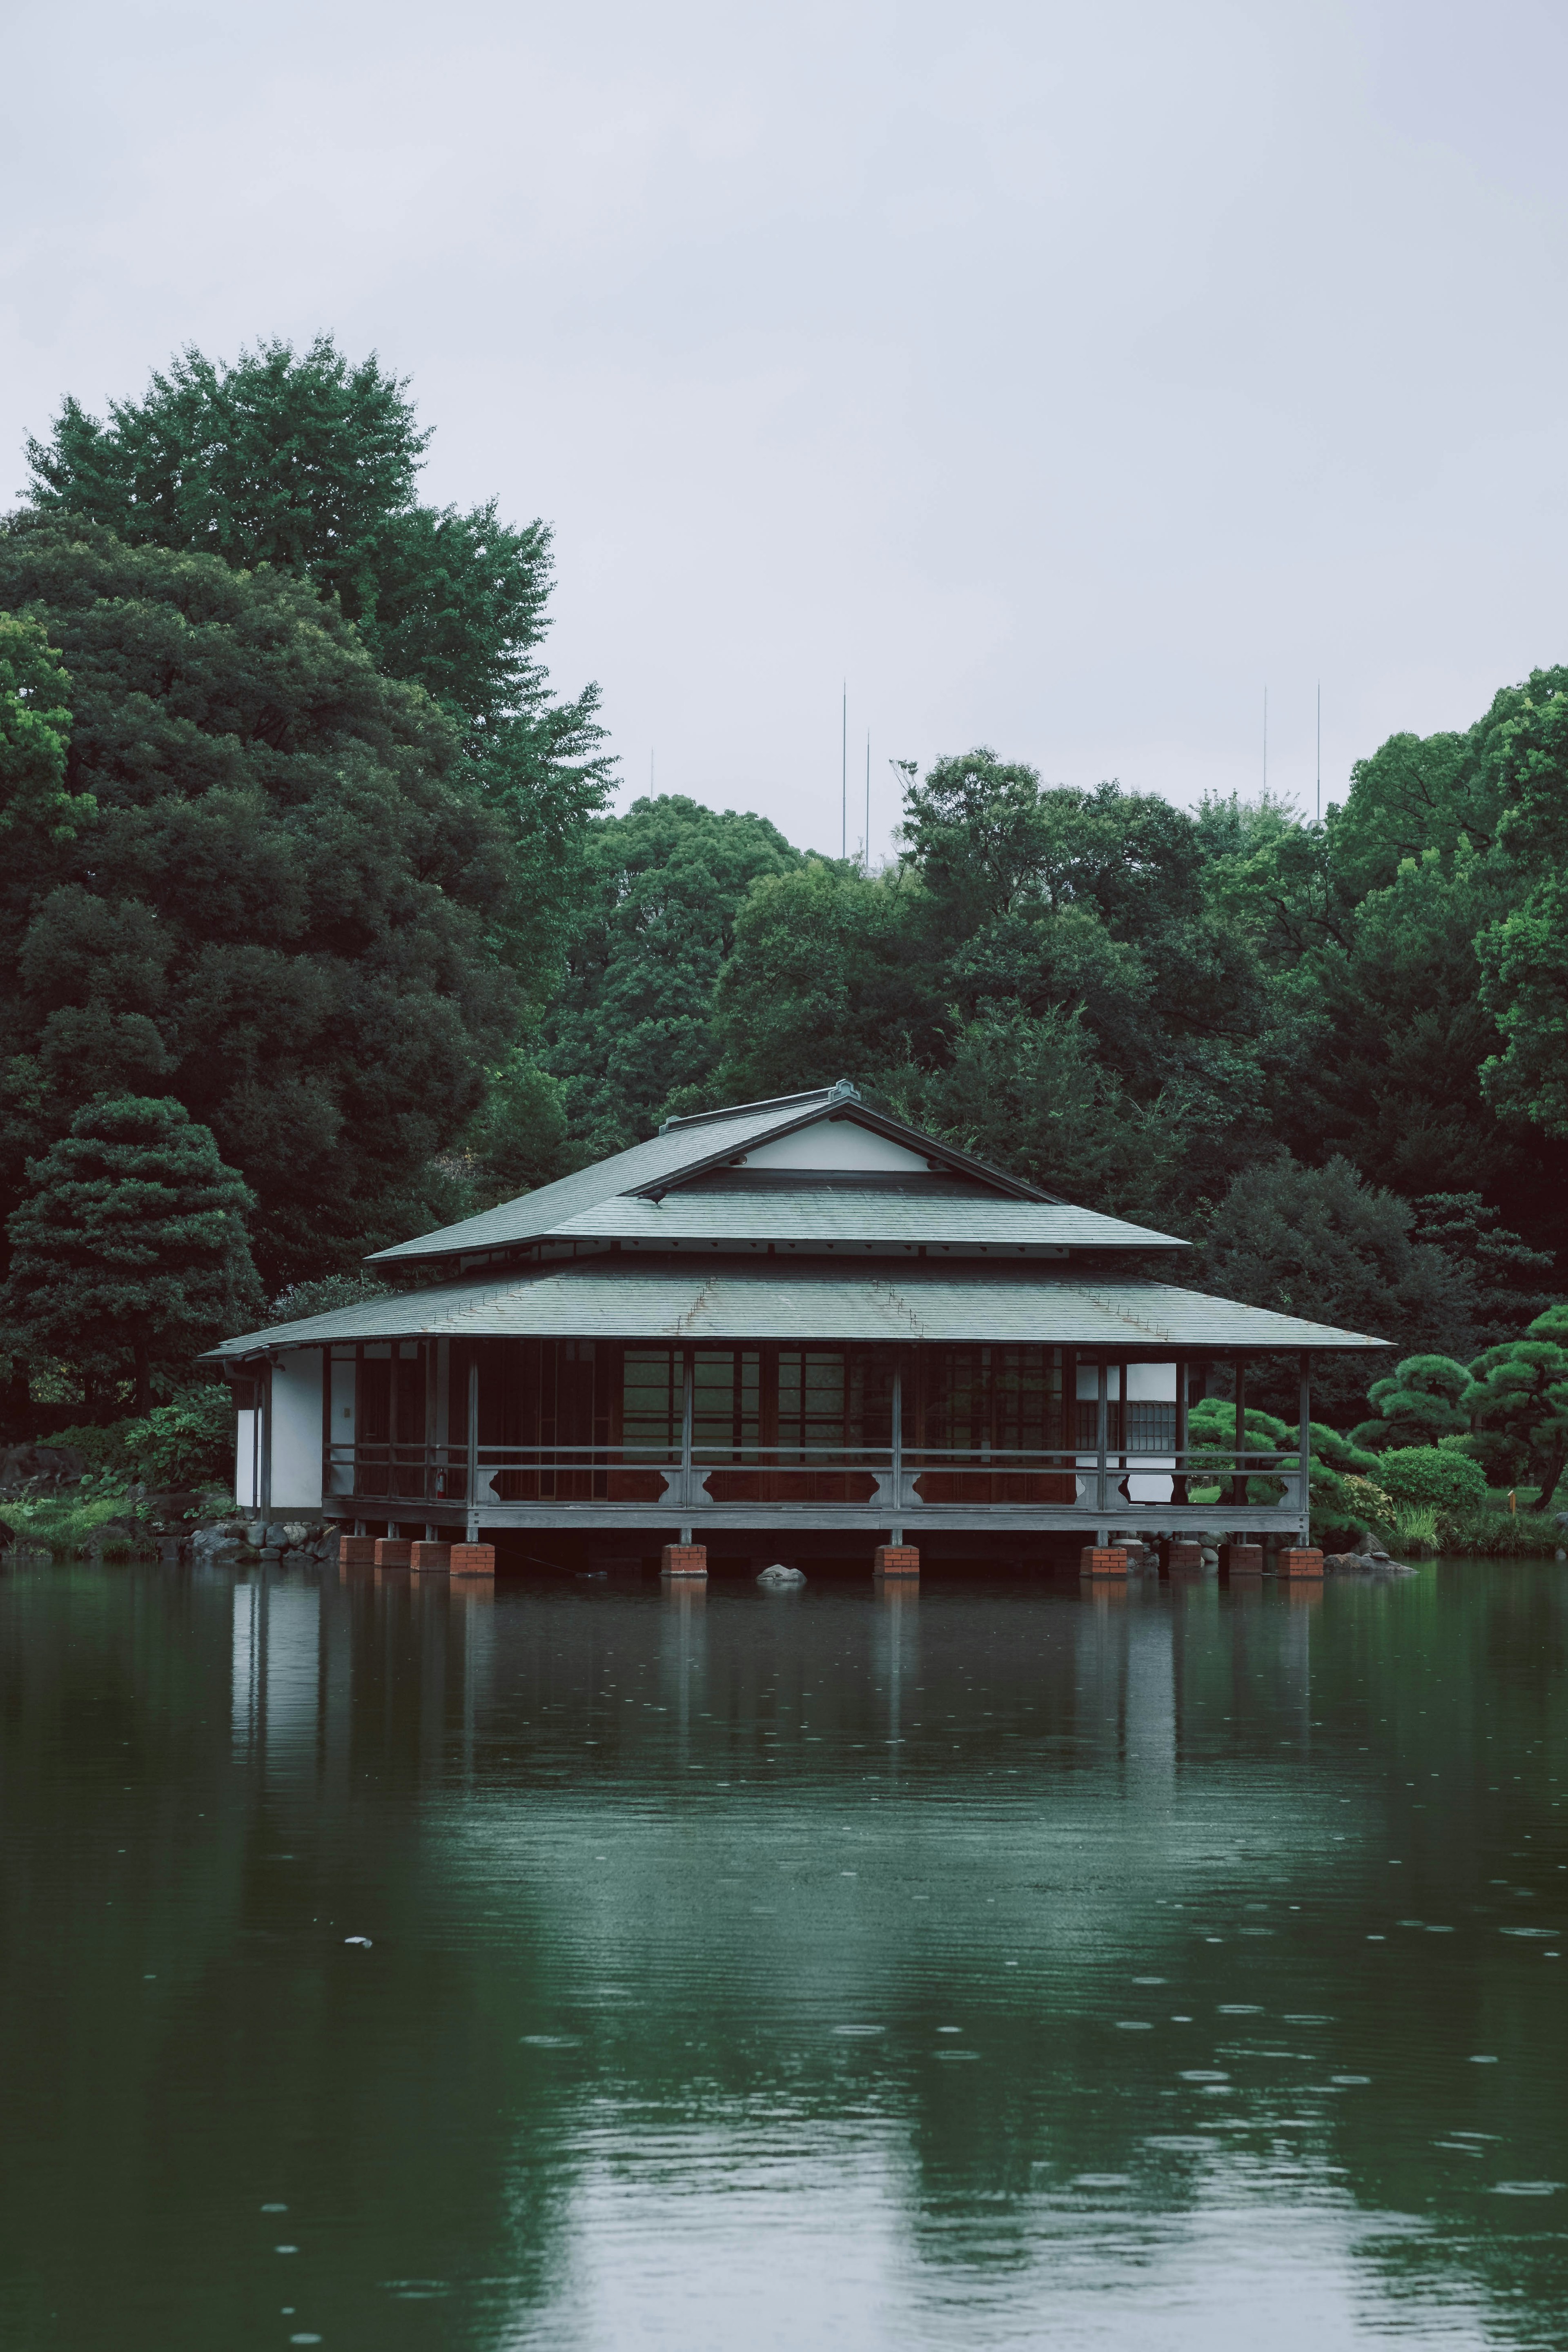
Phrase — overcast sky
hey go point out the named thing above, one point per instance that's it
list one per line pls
(1062, 376)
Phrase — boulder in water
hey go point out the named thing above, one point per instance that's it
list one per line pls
(780, 1579)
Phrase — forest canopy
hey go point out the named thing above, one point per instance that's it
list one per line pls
(300, 839)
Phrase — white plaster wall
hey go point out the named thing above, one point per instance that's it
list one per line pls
(838, 1143)
(297, 1431)
(247, 1467)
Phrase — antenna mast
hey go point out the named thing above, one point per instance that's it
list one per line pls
(1319, 750)
(844, 776)
(868, 859)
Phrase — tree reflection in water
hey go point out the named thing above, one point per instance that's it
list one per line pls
(994, 1959)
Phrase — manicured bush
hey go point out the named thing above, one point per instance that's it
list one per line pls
(1436, 1475)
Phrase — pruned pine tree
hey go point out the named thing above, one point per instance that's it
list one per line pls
(130, 1251)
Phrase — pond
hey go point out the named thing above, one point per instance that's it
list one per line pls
(581, 1964)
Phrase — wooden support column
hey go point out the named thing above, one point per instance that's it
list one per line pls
(1305, 1433)
(472, 1486)
(1102, 1435)
(264, 1416)
(688, 1404)
(1238, 1484)
(897, 1528)
(1178, 1475)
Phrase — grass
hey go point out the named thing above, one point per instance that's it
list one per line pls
(61, 1527)
(1504, 1535)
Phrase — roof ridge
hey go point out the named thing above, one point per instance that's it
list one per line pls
(841, 1087)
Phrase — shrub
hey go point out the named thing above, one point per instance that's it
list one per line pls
(1374, 1506)
(185, 1442)
(1504, 1535)
(102, 1448)
(1435, 1475)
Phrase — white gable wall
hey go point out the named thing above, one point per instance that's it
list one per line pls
(838, 1143)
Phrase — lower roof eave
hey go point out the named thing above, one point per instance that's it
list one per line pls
(806, 1302)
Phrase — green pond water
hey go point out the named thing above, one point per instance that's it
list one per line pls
(1003, 1964)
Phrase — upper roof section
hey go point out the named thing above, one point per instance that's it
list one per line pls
(812, 1172)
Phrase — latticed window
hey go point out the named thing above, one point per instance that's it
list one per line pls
(992, 1400)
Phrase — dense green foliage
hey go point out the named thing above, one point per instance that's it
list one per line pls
(1518, 1405)
(1432, 1474)
(631, 1027)
(187, 1443)
(308, 465)
(280, 911)
(130, 1250)
(298, 838)
(1420, 1402)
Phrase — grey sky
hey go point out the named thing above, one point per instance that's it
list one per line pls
(1060, 375)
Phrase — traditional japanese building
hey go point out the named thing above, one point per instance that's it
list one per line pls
(789, 1331)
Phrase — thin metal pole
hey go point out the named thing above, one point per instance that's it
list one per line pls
(844, 776)
(1102, 1535)
(1306, 1446)
(867, 857)
(1266, 743)
(1319, 802)
(473, 1477)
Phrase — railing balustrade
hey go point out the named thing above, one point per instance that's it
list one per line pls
(917, 1477)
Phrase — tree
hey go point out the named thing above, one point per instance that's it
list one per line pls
(632, 1025)
(825, 981)
(1508, 1275)
(1523, 953)
(1031, 1095)
(35, 735)
(307, 464)
(129, 1252)
(283, 912)
(1420, 1402)
(1323, 1243)
(1518, 1406)
(517, 1138)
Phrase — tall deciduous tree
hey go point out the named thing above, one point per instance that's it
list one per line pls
(309, 464)
(129, 1252)
(632, 1026)
(283, 911)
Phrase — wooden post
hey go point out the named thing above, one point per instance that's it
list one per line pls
(688, 1404)
(473, 1448)
(1179, 1477)
(897, 1528)
(1306, 1446)
(1238, 1484)
(264, 1410)
(1101, 1433)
